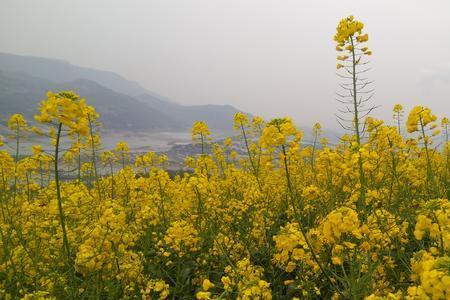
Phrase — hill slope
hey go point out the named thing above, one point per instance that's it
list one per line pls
(59, 72)
(216, 116)
(122, 104)
(22, 93)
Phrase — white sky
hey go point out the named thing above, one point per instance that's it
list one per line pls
(272, 58)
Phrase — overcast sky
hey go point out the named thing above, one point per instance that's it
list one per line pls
(272, 58)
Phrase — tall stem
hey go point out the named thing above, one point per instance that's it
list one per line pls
(202, 140)
(58, 196)
(79, 159)
(16, 158)
(355, 95)
(94, 158)
(430, 177)
(252, 163)
(112, 179)
(362, 178)
(447, 158)
(313, 158)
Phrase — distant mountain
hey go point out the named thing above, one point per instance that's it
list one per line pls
(122, 104)
(216, 116)
(60, 71)
(21, 93)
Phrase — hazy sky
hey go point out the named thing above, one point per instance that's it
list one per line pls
(272, 58)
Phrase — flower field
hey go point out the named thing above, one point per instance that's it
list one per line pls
(368, 218)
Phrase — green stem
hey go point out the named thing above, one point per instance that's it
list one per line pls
(58, 196)
(252, 163)
(16, 158)
(362, 179)
(430, 177)
(112, 179)
(202, 140)
(94, 158)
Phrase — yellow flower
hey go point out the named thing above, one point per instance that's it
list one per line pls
(419, 116)
(240, 120)
(181, 237)
(200, 130)
(17, 122)
(206, 285)
(226, 281)
(68, 109)
(362, 38)
(122, 147)
(445, 121)
(203, 295)
(336, 260)
(398, 108)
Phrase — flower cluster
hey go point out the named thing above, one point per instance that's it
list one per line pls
(245, 281)
(259, 215)
(349, 38)
(68, 109)
(434, 222)
(181, 238)
(432, 275)
(279, 220)
(419, 118)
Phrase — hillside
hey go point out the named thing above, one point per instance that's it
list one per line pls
(216, 116)
(22, 93)
(122, 104)
(60, 71)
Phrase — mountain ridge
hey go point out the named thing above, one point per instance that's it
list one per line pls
(125, 105)
(62, 71)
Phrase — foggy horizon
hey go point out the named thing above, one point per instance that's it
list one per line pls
(264, 57)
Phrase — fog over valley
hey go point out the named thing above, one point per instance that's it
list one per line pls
(269, 58)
